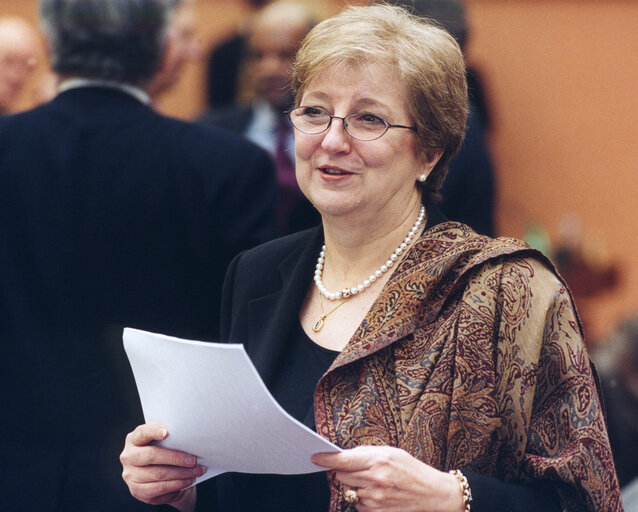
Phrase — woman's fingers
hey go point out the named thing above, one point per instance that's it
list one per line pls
(390, 480)
(139, 452)
(157, 455)
(162, 473)
(145, 434)
(356, 459)
(155, 474)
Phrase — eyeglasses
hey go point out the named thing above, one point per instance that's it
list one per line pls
(361, 126)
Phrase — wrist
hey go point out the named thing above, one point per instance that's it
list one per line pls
(463, 494)
(187, 500)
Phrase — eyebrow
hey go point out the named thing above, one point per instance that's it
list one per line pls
(360, 103)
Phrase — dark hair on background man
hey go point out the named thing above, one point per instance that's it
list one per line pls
(115, 40)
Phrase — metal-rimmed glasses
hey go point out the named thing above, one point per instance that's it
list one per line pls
(361, 126)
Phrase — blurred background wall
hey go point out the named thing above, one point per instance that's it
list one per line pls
(561, 78)
(562, 83)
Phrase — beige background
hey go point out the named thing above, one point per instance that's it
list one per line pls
(562, 80)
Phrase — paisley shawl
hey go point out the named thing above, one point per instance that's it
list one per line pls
(472, 357)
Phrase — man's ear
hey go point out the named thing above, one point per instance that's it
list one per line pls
(156, 84)
(165, 57)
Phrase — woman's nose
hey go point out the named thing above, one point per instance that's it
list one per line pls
(336, 138)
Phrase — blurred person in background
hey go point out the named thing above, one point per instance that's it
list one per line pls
(272, 38)
(19, 49)
(224, 66)
(617, 361)
(112, 215)
(468, 190)
(182, 47)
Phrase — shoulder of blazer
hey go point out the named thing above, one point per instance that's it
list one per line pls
(281, 251)
(267, 269)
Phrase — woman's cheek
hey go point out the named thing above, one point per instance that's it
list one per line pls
(305, 146)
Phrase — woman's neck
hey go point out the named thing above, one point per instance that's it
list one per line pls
(354, 252)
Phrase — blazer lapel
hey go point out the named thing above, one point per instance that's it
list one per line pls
(273, 315)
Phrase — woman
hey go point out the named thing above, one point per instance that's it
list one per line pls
(446, 364)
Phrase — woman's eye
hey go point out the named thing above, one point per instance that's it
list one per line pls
(312, 111)
(366, 117)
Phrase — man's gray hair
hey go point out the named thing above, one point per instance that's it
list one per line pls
(115, 40)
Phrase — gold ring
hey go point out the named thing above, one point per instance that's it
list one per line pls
(351, 497)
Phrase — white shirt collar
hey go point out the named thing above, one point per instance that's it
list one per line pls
(131, 90)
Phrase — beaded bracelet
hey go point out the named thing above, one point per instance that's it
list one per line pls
(465, 488)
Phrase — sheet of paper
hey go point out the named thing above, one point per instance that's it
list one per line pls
(215, 406)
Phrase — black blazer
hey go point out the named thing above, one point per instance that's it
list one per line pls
(263, 293)
(111, 215)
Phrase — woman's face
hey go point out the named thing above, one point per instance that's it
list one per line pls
(341, 175)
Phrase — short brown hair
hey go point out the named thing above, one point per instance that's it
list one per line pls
(427, 59)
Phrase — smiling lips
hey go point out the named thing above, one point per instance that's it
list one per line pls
(331, 171)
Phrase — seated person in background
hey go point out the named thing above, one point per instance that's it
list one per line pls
(446, 364)
(19, 46)
(272, 38)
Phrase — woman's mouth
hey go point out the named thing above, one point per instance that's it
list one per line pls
(334, 172)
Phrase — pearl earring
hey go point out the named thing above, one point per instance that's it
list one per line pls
(422, 178)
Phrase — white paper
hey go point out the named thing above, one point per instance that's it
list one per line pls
(215, 406)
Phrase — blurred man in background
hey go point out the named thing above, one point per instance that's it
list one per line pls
(183, 46)
(112, 215)
(19, 48)
(272, 38)
(468, 190)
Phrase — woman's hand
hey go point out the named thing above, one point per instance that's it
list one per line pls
(390, 479)
(158, 475)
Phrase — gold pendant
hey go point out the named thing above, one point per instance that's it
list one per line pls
(318, 325)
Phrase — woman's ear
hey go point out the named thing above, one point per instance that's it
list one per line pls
(429, 161)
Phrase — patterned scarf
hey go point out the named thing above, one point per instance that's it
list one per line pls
(472, 357)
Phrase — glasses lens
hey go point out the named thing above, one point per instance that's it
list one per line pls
(365, 126)
(310, 119)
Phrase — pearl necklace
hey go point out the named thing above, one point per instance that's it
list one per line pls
(347, 292)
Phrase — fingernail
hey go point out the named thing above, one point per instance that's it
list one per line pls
(191, 460)
(201, 470)
(163, 433)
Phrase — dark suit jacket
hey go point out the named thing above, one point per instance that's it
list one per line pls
(111, 216)
(223, 69)
(235, 118)
(468, 189)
